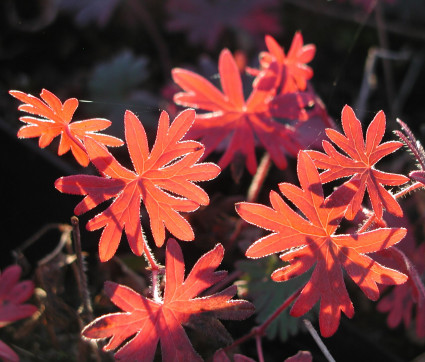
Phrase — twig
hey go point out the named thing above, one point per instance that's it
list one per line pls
(80, 262)
(318, 340)
(63, 228)
(409, 80)
(154, 34)
(323, 8)
(383, 40)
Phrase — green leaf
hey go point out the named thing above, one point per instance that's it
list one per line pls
(268, 295)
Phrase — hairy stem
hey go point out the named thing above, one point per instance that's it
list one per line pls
(151, 259)
(372, 218)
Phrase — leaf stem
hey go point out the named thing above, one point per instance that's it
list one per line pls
(372, 218)
(151, 259)
(259, 178)
(155, 289)
(259, 348)
(253, 192)
(260, 330)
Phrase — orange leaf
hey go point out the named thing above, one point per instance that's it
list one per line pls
(170, 169)
(56, 121)
(310, 241)
(146, 321)
(360, 161)
(241, 124)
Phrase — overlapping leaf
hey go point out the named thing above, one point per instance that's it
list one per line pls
(310, 241)
(400, 302)
(285, 73)
(360, 162)
(56, 121)
(242, 123)
(169, 169)
(12, 296)
(146, 321)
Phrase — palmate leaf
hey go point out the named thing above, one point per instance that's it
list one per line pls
(56, 121)
(170, 169)
(12, 296)
(242, 123)
(400, 302)
(360, 161)
(146, 321)
(311, 241)
(285, 72)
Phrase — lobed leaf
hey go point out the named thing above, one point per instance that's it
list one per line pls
(56, 121)
(170, 169)
(311, 241)
(145, 322)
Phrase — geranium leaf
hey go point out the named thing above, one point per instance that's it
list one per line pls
(170, 169)
(360, 161)
(56, 121)
(241, 124)
(146, 321)
(311, 241)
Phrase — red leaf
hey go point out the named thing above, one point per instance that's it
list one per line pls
(301, 356)
(56, 121)
(12, 294)
(7, 353)
(232, 119)
(310, 241)
(285, 73)
(146, 321)
(359, 162)
(170, 168)
(221, 356)
(400, 301)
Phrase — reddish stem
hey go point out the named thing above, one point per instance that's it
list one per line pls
(372, 218)
(261, 329)
(259, 348)
(253, 192)
(151, 259)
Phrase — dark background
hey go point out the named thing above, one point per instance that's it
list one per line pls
(60, 46)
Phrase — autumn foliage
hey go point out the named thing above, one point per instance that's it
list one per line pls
(328, 231)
